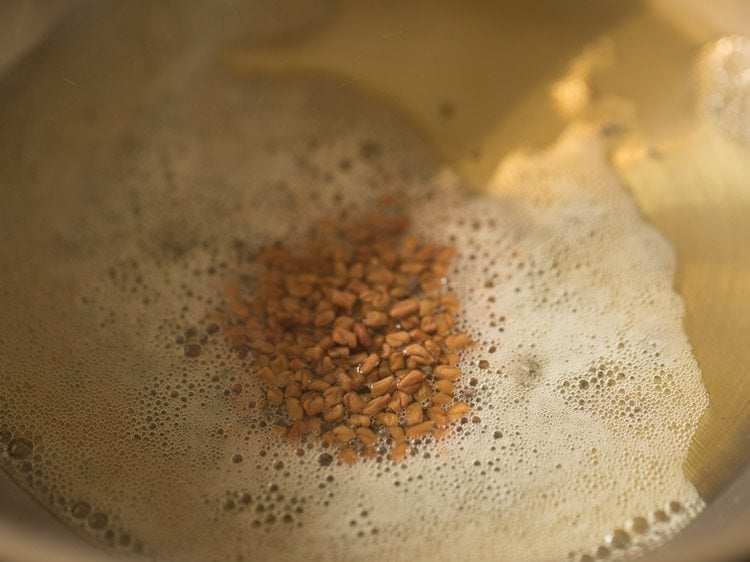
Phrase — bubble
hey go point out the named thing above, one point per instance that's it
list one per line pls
(19, 448)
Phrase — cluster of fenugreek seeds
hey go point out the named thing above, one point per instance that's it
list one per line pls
(353, 337)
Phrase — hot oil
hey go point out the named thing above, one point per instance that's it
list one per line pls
(587, 394)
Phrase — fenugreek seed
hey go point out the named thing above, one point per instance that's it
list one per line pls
(457, 341)
(334, 413)
(438, 415)
(414, 414)
(412, 378)
(357, 358)
(428, 324)
(274, 396)
(358, 381)
(297, 364)
(353, 402)
(359, 420)
(382, 386)
(380, 277)
(418, 335)
(314, 353)
(279, 363)
(397, 339)
(345, 381)
(325, 366)
(446, 372)
(404, 308)
(326, 343)
(344, 337)
(372, 361)
(348, 456)
(419, 430)
(292, 390)
(413, 267)
(426, 306)
(268, 376)
(400, 401)
(343, 433)
(396, 361)
(399, 293)
(366, 436)
(364, 337)
(381, 302)
(387, 419)
(441, 399)
(313, 405)
(338, 352)
(318, 385)
(433, 347)
(449, 302)
(343, 299)
(262, 346)
(376, 405)
(450, 359)
(455, 412)
(445, 386)
(397, 434)
(418, 354)
(294, 409)
(345, 322)
(424, 392)
(399, 452)
(333, 396)
(356, 271)
(376, 319)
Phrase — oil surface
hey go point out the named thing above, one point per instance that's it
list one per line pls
(120, 254)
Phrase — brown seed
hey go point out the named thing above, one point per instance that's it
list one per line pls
(396, 361)
(314, 353)
(382, 386)
(343, 433)
(343, 299)
(333, 396)
(424, 392)
(441, 399)
(404, 308)
(397, 339)
(366, 436)
(418, 353)
(438, 415)
(344, 380)
(313, 405)
(445, 386)
(376, 319)
(381, 302)
(426, 306)
(414, 414)
(268, 376)
(344, 337)
(446, 372)
(457, 411)
(318, 385)
(261, 345)
(400, 401)
(274, 396)
(334, 413)
(457, 341)
(397, 433)
(324, 318)
(412, 378)
(353, 402)
(292, 390)
(372, 361)
(359, 420)
(387, 419)
(348, 456)
(364, 337)
(419, 430)
(376, 405)
(399, 452)
(294, 409)
(345, 322)
(325, 366)
(380, 277)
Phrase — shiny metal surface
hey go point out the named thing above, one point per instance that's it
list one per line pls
(480, 85)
